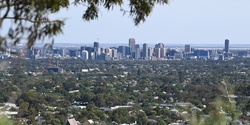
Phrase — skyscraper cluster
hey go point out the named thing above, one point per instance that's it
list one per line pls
(132, 51)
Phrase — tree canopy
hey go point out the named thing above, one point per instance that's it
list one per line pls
(31, 19)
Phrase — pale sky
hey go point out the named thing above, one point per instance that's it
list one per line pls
(180, 22)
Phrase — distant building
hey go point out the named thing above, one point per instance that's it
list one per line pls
(159, 45)
(56, 51)
(178, 55)
(62, 52)
(104, 56)
(150, 52)
(162, 52)
(157, 52)
(96, 44)
(114, 53)
(97, 52)
(132, 45)
(128, 51)
(187, 48)
(242, 53)
(122, 50)
(226, 46)
(59, 52)
(201, 53)
(108, 51)
(92, 55)
(221, 57)
(145, 51)
(137, 52)
(107, 57)
(171, 53)
(72, 53)
(119, 56)
(85, 55)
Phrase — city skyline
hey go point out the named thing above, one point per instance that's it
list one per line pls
(220, 45)
(158, 52)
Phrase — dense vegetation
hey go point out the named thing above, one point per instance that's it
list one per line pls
(144, 85)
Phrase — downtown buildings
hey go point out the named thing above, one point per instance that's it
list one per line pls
(133, 51)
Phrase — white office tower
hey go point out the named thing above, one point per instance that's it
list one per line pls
(114, 54)
(108, 51)
(85, 55)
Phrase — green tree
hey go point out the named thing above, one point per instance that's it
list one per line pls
(23, 108)
(161, 122)
(55, 121)
(121, 115)
(31, 22)
(141, 118)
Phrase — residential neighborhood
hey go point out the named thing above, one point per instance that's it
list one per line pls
(125, 92)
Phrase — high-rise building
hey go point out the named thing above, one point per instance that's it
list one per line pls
(72, 53)
(226, 46)
(132, 45)
(145, 51)
(187, 48)
(128, 51)
(96, 44)
(97, 50)
(150, 52)
(157, 52)
(114, 53)
(159, 45)
(90, 51)
(108, 51)
(122, 50)
(85, 55)
(137, 52)
(163, 52)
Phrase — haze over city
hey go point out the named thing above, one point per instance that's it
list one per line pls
(180, 22)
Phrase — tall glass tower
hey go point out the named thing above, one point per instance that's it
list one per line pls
(226, 46)
(145, 50)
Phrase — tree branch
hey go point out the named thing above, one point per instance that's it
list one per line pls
(10, 4)
(12, 18)
(32, 21)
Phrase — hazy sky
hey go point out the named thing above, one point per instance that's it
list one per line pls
(180, 22)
